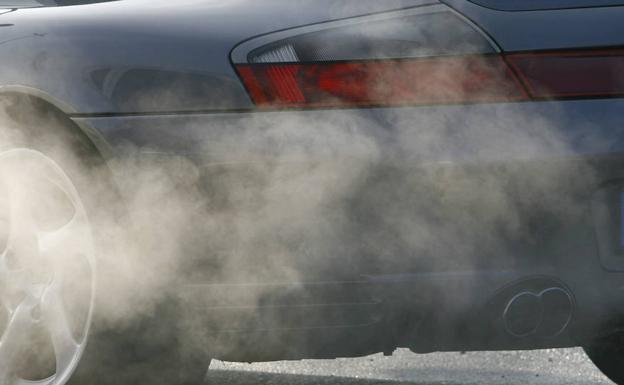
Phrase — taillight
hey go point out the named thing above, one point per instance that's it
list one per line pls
(380, 83)
(424, 55)
(571, 73)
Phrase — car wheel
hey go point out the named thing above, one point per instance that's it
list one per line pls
(49, 269)
(47, 312)
(607, 353)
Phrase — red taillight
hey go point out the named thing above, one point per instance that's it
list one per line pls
(441, 80)
(570, 74)
(458, 79)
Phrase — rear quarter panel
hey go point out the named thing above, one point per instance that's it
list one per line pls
(530, 30)
(146, 56)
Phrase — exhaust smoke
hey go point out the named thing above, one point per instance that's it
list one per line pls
(287, 197)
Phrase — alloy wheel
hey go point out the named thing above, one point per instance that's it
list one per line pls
(47, 271)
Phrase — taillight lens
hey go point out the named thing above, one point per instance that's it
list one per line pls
(571, 74)
(381, 83)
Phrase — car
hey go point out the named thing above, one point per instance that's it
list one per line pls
(280, 180)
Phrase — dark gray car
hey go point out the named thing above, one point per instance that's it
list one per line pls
(269, 180)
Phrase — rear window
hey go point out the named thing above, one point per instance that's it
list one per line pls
(528, 5)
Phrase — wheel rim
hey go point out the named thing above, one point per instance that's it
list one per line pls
(47, 271)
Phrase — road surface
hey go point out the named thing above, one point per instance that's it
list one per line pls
(546, 367)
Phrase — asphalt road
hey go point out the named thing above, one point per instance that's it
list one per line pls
(546, 367)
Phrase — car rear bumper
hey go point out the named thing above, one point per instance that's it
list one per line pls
(545, 176)
(423, 312)
(405, 227)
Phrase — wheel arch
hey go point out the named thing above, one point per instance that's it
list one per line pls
(42, 104)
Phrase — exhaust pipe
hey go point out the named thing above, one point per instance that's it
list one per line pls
(546, 314)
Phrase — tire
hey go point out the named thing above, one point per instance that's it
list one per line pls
(607, 353)
(146, 350)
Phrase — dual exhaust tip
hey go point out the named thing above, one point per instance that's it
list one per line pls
(544, 314)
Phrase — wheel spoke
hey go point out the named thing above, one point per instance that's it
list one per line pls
(15, 335)
(21, 239)
(4, 269)
(55, 320)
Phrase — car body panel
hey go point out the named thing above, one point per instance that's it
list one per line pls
(108, 70)
(170, 46)
(523, 141)
(533, 5)
(182, 62)
(548, 29)
(585, 128)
